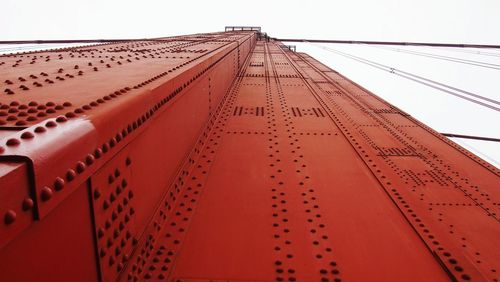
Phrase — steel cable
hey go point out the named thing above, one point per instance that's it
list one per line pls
(441, 57)
(422, 80)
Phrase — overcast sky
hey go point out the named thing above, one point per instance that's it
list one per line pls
(453, 21)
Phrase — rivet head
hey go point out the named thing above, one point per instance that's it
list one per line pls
(59, 184)
(61, 119)
(10, 217)
(89, 159)
(100, 233)
(80, 167)
(13, 142)
(27, 135)
(98, 153)
(51, 124)
(40, 129)
(27, 204)
(70, 175)
(46, 193)
(97, 194)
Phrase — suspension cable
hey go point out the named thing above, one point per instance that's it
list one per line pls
(475, 52)
(389, 43)
(422, 80)
(482, 138)
(441, 57)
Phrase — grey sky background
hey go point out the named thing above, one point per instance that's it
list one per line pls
(451, 21)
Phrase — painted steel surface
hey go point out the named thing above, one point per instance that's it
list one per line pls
(218, 157)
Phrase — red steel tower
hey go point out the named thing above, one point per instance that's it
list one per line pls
(228, 157)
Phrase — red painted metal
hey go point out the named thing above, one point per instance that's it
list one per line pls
(221, 157)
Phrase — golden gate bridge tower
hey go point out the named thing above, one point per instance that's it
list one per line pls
(227, 156)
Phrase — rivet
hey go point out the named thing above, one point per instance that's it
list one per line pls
(10, 217)
(59, 184)
(80, 167)
(97, 194)
(40, 129)
(100, 233)
(46, 193)
(51, 124)
(98, 153)
(70, 174)
(13, 142)
(27, 135)
(89, 159)
(27, 204)
(61, 119)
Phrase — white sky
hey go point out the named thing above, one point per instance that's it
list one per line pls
(452, 21)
